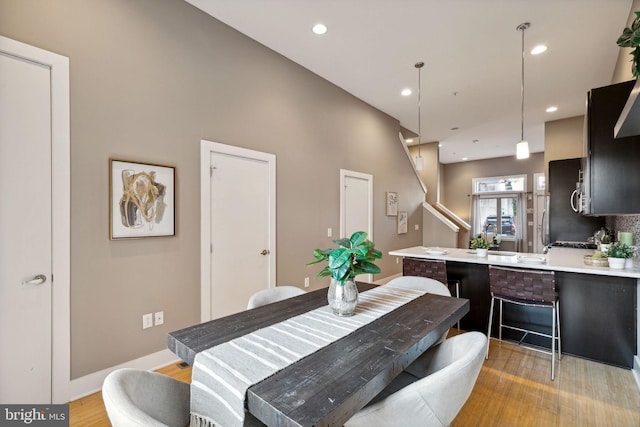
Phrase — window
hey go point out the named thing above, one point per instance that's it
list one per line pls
(498, 207)
(488, 208)
(500, 184)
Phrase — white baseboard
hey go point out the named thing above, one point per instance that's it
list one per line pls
(636, 370)
(89, 384)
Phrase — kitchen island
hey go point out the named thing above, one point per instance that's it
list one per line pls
(598, 305)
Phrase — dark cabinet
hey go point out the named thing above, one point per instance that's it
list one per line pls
(597, 313)
(612, 165)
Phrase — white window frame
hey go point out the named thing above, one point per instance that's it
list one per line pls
(521, 194)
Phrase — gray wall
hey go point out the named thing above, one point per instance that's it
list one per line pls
(429, 174)
(456, 178)
(564, 139)
(622, 70)
(149, 80)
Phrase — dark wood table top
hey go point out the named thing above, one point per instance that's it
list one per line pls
(332, 384)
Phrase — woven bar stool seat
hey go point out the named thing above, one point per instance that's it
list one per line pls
(433, 269)
(533, 288)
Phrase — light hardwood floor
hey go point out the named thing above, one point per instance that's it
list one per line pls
(514, 389)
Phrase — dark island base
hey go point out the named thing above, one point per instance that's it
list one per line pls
(597, 313)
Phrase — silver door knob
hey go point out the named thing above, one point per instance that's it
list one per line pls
(265, 252)
(37, 280)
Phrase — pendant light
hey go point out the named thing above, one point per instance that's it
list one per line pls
(522, 147)
(419, 159)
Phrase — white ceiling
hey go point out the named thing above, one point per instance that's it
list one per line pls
(472, 54)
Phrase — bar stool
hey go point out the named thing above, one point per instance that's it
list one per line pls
(533, 288)
(431, 268)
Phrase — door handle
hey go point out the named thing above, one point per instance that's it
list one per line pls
(543, 232)
(37, 280)
(573, 197)
(264, 252)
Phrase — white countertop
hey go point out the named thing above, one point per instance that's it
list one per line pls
(557, 259)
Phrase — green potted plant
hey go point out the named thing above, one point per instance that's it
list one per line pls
(618, 254)
(480, 245)
(631, 38)
(605, 242)
(353, 256)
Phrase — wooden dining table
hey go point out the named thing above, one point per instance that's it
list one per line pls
(331, 385)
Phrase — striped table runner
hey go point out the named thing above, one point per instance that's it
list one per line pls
(222, 374)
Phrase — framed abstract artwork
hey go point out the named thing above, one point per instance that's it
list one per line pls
(392, 203)
(403, 218)
(141, 200)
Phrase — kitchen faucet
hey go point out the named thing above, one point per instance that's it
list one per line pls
(486, 230)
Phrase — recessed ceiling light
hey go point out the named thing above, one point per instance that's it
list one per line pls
(465, 158)
(409, 141)
(319, 29)
(552, 109)
(439, 145)
(538, 49)
(406, 92)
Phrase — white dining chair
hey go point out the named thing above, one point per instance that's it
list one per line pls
(432, 390)
(267, 296)
(431, 268)
(425, 284)
(135, 397)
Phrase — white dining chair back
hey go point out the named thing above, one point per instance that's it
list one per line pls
(135, 397)
(425, 284)
(444, 377)
(267, 296)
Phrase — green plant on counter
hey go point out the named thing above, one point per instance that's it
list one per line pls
(479, 243)
(353, 256)
(619, 250)
(631, 38)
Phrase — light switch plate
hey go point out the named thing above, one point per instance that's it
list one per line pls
(147, 320)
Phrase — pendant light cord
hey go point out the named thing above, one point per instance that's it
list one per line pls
(419, 66)
(522, 92)
(522, 27)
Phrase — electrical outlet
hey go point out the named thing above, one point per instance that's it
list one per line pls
(306, 282)
(147, 320)
(159, 318)
(329, 232)
(416, 227)
(397, 260)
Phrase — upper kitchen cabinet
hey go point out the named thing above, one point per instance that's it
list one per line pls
(628, 123)
(612, 172)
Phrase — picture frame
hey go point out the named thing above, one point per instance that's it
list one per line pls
(392, 203)
(403, 219)
(141, 200)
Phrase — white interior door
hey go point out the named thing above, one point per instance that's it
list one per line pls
(356, 206)
(241, 196)
(25, 227)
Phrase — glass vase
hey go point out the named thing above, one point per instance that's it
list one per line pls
(343, 299)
